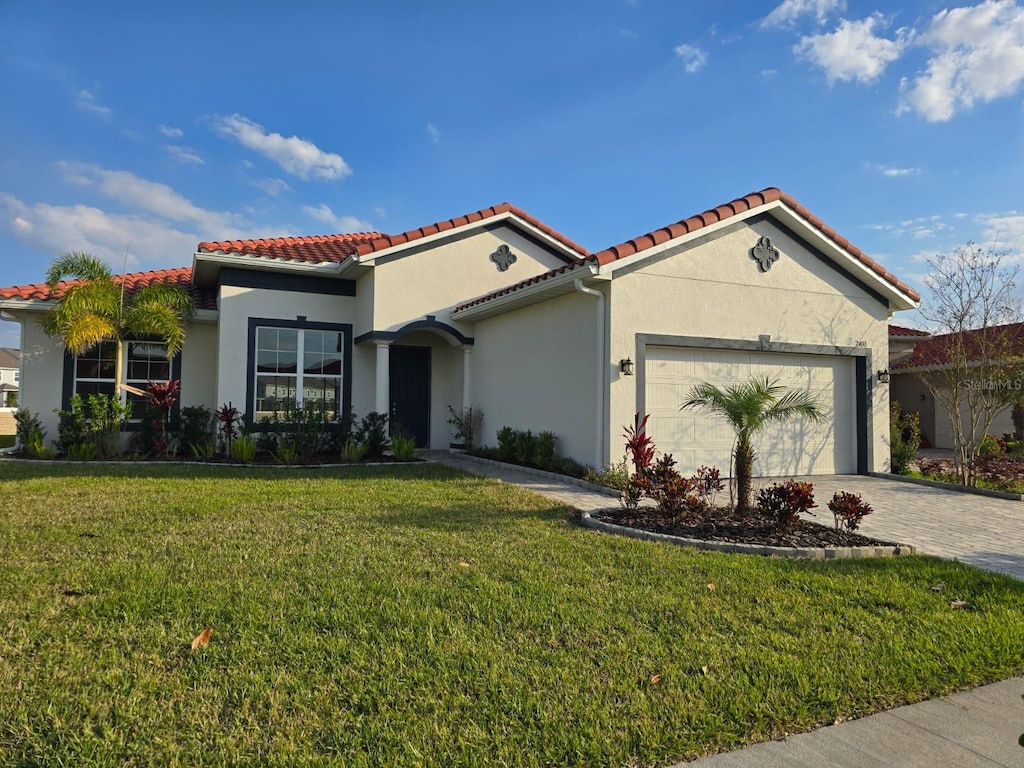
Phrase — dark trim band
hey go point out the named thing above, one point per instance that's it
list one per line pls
(454, 335)
(276, 281)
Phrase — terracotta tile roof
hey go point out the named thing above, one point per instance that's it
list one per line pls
(694, 223)
(740, 205)
(389, 241)
(314, 250)
(936, 350)
(181, 277)
(899, 330)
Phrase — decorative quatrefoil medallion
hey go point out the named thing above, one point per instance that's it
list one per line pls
(503, 257)
(765, 253)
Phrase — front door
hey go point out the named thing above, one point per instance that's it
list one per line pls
(410, 393)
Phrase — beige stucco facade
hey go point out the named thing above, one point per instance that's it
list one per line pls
(535, 342)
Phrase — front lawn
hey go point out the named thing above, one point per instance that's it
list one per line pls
(417, 616)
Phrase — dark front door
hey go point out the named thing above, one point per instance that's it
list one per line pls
(410, 393)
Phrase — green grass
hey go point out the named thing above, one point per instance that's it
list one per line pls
(346, 630)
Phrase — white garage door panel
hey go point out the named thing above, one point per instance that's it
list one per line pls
(796, 448)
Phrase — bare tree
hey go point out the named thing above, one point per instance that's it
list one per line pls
(974, 367)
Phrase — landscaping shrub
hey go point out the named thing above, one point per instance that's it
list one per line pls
(904, 439)
(228, 418)
(524, 447)
(244, 449)
(507, 444)
(991, 446)
(26, 426)
(353, 452)
(466, 425)
(785, 502)
(81, 452)
(403, 447)
(286, 452)
(197, 430)
(848, 509)
(544, 449)
(614, 475)
(72, 426)
(372, 432)
(565, 465)
(640, 449)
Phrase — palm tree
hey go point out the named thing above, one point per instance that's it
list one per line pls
(750, 407)
(94, 308)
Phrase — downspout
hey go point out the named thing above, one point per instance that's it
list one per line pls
(602, 369)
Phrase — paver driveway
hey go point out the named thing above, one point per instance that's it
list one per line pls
(979, 530)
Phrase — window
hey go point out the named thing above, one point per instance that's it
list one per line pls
(16, 375)
(298, 367)
(145, 361)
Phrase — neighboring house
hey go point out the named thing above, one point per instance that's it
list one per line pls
(919, 355)
(498, 311)
(10, 372)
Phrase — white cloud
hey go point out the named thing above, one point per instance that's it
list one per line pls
(183, 155)
(1003, 230)
(380, 213)
(892, 171)
(298, 157)
(433, 133)
(853, 51)
(55, 229)
(693, 58)
(272, 187)
(169, 132)
(788, 12)
(152, 197)
(978, 55)
(340, 223)
(768, 74)
(87, 100)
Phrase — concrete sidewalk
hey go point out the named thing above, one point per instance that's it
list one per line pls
(976, 728)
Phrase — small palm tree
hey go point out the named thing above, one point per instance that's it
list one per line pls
(750, 407)
(95, 308)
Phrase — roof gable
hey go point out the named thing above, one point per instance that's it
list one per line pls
(644, 245)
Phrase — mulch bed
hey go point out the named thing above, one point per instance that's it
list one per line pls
(726, 525)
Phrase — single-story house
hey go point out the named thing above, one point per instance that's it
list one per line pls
(10, 374)
(498, 311)
(917, 355)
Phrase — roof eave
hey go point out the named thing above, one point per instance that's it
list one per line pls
(206, 266)
(555, 285)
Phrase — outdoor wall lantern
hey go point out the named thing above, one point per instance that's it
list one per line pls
(626, 366)
(883, 376)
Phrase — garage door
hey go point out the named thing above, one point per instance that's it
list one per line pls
(794, 448)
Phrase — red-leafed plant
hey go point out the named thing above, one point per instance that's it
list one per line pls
(641, 452)
(849, 509)
(162, 397)
(229, 418)
(785, 502)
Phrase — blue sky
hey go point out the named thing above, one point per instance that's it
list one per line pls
(152, 127)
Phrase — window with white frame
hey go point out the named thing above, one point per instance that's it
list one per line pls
(144, 361)
(296, 367)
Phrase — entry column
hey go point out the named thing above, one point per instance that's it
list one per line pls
(467, 382)
(383, 378)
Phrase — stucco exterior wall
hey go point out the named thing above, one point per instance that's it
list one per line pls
(237, 305)
(199, 366)
(434, 281)
(715, 289)
(42, 362)
(913, 396)
(534, 368)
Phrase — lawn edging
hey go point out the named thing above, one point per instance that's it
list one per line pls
(227, 464)
(596, 488)
(949, 486)
(803, 553)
